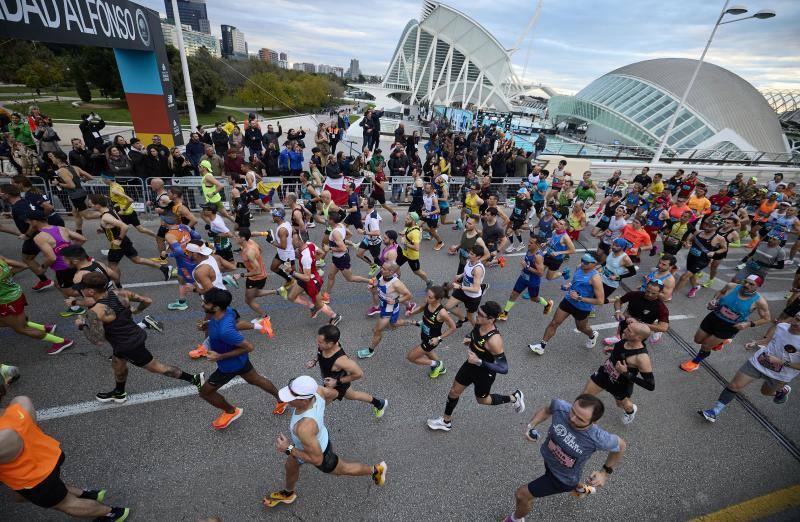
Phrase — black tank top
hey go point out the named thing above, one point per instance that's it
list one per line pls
(620, 353)
(705, 243)
(94, 266)
(431, 326)
(122, 333)
(477, 343)
(611, 208)
(326, 364)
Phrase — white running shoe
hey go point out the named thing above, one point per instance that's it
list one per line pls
(592, 341)
(627, 418)
(537, 348)
(521, 246)
(519, 405)
(439, 424)
(609, 341)
(510, 248)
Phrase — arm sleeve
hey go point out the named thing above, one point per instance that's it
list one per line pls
(646, 381)
(630, 271)
(500, 365)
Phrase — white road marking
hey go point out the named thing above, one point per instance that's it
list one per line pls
(150, 283)
(615, 324)
(526, 249)
(81, 408)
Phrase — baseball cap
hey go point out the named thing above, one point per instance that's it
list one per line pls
(756, 279)
(303, 387)
(522, 191)
(588, 258)
(621, 242)
(206, 164)
(414, 216)
(777, 234)
(199, 249)
(278, 212)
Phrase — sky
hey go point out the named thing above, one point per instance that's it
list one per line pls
(573, 42)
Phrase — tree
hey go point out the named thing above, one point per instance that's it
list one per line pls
(100, 64)
(207, 85)
(39, 74)
(262, 91)
(81, 87)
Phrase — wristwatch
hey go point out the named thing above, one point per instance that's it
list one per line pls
(608, 470)
(288, 450)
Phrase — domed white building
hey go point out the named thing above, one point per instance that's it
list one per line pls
(633, 105)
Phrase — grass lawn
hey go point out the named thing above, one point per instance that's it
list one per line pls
(111, 110)
(354, 117)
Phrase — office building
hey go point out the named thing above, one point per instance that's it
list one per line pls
(324, 69)
(233, 43)
(192, 13)
(268, 55)
(192, 40)
(338, 72)
(353, 72)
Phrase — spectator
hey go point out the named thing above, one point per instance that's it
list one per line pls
(252, 139)
(398, 166)
(217, 163)
(154, 166)
(376, 129)
(367, 125)
(137, 156)
(236, 141)
(79, 156)
(521, 164)
(539, 145)
(195, 149)
(25, 158)
(322, 142)
(118, 164)
(411, 145)
(271, 136)
(21, 132)
(270, 160)
(5, 119)
(297, 136)
(205, 137)
(179, 166)
(163, 151)
(46, 135)
(233, 165)
(230, 124)
(91, 124)
(121, 144)
(283, 160)
(296, 161)
(400, 133)
(220, 140)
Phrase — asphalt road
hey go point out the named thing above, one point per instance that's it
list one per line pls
(163, 459)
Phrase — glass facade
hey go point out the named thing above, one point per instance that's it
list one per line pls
(637, 111)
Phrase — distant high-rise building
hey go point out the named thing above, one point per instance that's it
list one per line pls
(283, 64)
(192, 40)
(268, 55)
(192, 12)
(338, 72)
(233, 43)
(324, 69)
(309, 67)
(353, 72)
(297, 66)
(283, 57)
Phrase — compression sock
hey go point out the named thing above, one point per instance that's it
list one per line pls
(724, 399)
(35, 326)
(450, 406)
(509, 305)
(188, 377)
(500, 399)
(378, 403)
(120, 387)
(700, 356)
(542, 301)
(50, 338)
(42, 276)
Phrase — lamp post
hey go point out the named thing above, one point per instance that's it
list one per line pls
(187, 81)
(735, 10)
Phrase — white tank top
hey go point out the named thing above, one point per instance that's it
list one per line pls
(250, 185)
(386, 292)
(217, 283)
(285, 254)
(341, 232)
(469, 279)
(427, 200)
(613, 267)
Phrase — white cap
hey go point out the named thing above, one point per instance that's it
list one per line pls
(199, 249)
(303, 387)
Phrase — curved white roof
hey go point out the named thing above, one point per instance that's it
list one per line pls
(723, 98)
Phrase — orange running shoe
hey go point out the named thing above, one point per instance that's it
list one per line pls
(689, 366)
(718, 347)
(501, 261)
(225, 419)
(200, 351)
(265, 327)
(280, 408)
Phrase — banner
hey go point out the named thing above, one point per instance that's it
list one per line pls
(338, 188)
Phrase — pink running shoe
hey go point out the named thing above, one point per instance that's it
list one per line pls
(373, 310)
(608, 341)
(692, 292)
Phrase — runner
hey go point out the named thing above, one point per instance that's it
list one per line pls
(372, 238)
(729, 230)
(12, 310)
(703, 246)
(207, 273)
(30, 464)
(177, 238)
(430, 214)
(123, 204)
(68, 179)
(111, 319)
(218, 232)
(529, 280)
(765, 255)
(379, 181)
(637, 238)
(644, 306)
(559, 246)
(730, 311)
(388, 254)
(281, 239)
(339, 253)
(392, 293)
(255, 273)
(663, 275)
(310, 282)
(777, 363)
(297, 215)
(339, 371)
(519, 216)
(585, 291)
(170, 211)
(655, 220)
(409, 247)
(120, 245)
(627, 359)
(571, 441)
(494, 237)
(675, 234)
(617, 266)
(309, 441)
(229, 349)
(469, 238)
(212, 189)
(353, 208)
(468, 287)
(434, 315)
(485, 359)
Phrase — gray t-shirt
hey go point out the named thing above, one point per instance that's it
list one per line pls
(769, 255)
(566, 450)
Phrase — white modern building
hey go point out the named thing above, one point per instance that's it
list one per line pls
(632, 105)
(448, 58)
(192, 40)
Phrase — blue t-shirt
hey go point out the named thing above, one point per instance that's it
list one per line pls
(540, 187)
(566, 450)
(224, 337)
(352, 201)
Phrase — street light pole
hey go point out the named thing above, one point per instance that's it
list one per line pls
(674, 117)
(187, 81)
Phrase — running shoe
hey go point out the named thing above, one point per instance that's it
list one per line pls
(708, 415)
(9, 374)
(655, 337)
(627, 418)
(113, 396)
(438, 246)
(689, 366)
(519, 405)
(200, 351)
(525, 295)
(167, 271)
(311, 225)
(437, 370)
(692, 292)
(548, 307)
(510, 248)
(410, 306)
(373, 269)
(117, 514)
(609, 341)
(484, 287)
(439, 424)
(537, 348)
(264, 326)
(230, 280)
(199, 379)
(379, 473)
(69, 312)
(225, 419)
(654, 250)
(709, 282)
(280, 497)
(336, 319)
(501, 261)
(520, 247)
(592, 341)
(365, 353)
(283, 292)
(582, 490)
(280, 408)
(394, 217)
(158, 259)
(782, 395)
(151, 323)
(178, 305)
(43, 285)
(426, 236)
(718, 347)
(50, 328)
(503, 316)
(566, 273)
(378, 412)
(373, 310)
(59, 347)
(95, 494)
